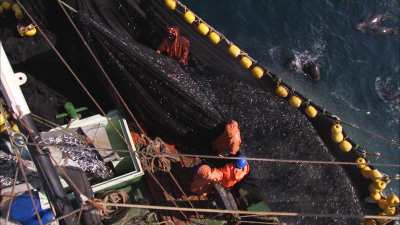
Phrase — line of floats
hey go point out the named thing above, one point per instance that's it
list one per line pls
(378, 182)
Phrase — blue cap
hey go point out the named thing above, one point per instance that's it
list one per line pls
(240, 163)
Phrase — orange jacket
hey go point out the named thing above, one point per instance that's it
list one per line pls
(177, 49)
(231, 175)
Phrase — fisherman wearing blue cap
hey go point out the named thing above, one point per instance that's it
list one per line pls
(234, 172)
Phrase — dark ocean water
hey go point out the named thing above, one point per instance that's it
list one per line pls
(360, 72)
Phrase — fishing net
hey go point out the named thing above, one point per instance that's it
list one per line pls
(186, 105)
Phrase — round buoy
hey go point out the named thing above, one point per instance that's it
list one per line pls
(345, 146)
(6, 5)
(336, 128)
(337, 138)
(375, 174)
(203, 29)
(245, 62)
(361, 162)
(295, 101)
(257, 72)
(311, 111)
(214, 38)
(234, 50)
(393, 200)
(366, 171)
(189, 17)
(376, 195)
(390, 210)
(30, 31)
(281, 91)
(171, 4)
(380, 184)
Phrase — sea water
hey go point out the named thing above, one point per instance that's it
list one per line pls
(360, 71)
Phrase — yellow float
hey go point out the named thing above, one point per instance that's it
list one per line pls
(246, 62)
(257, 72)
(171, 4)
(6, 5)
(281, 91)
(336, 129)
(375, 195)
(366, 171)
(189, 17)
(214, 38)
(234, 50)
(393, 200)
(380, 184)
(345, 146)
(203, 29)
(361, 162)
(311, 111)
(17, 11)
(375, 174)
(337, 138)
(28, 31)
(295, 101)
(390, 210)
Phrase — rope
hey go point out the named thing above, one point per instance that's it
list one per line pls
(166, 193)
(68, 6)
(294, 161)
(183, 192)
(101, 68)
(79, 216)
(63, 217)
(258, 213)
(390, 141)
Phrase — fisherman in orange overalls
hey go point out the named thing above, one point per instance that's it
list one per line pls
(229, 141)
(175, 46)
(228, 176)
(234, 172)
